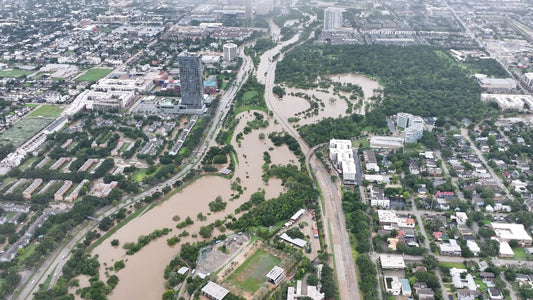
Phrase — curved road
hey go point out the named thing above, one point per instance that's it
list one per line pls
(344, 263)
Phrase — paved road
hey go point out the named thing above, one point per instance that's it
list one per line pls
(335, 222)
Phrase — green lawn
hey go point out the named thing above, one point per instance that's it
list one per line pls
(15, 73)
(47, 111)
(124, 147)
(139, 174)
(453, 265)
(27, 252)
(519, 253)
(28, 163)
(252, 273)
(482, 285)
(249, 95)
(94, 74)
(362, 143)
(32, 105)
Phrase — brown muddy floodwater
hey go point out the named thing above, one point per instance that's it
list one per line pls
(331, 105)
(142, 278)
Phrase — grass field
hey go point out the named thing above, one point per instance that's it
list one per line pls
(23, 130)
(15, 73)
(94, 74)
(519, 253)
(252, 273)
(453, 265)
(249, 95)
(47, 111)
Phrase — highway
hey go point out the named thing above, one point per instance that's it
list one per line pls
(334, 221)
(53, 265)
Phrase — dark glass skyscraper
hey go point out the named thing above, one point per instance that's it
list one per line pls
(191, 78)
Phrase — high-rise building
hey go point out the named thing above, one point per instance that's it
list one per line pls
(249, 13)
(191, 79)
(332, 18)
(230, 52)
(264, 7)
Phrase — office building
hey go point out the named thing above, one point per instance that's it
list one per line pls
(230, 52)
(332, 18)
(248, 11)
(412, 125)
(192, 83)
(264, 7)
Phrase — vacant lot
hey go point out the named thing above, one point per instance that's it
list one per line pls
(252, 273)
(23, 130)
(47, 111)
(14, 73)
(94, 74)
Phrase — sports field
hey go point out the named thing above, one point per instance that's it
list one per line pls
(14, 73)
(47, 111)
(252, 273)
(23, 130)
(94, 74)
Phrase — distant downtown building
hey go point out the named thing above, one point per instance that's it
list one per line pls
(191, 79)
(332, 18)
(230, 52)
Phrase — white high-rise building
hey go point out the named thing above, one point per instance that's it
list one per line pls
(332, 18)
(230, 52)
(264, 7)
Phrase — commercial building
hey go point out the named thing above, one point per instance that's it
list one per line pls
(371, 163)
(108, 100)
(413, 133)
(412, 125)
(451, 248)
(214, 291)
(378, 198)
(191, 79)
(332, 18)
(393, 285)
(497, 83)
(341, 154)
(506, 232)
(505, 250)
(230, 52)
(389, 261)
(275, 275)
(296, 242)
(510, 101)
(386, 142)
(264, 7)
(296, 294)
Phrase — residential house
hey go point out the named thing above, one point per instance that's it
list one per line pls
(495, 294)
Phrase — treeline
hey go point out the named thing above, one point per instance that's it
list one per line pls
(278, 139)
(368, 282)
(416, 79)
(342, 128)
(267, 213)
(143, 240)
